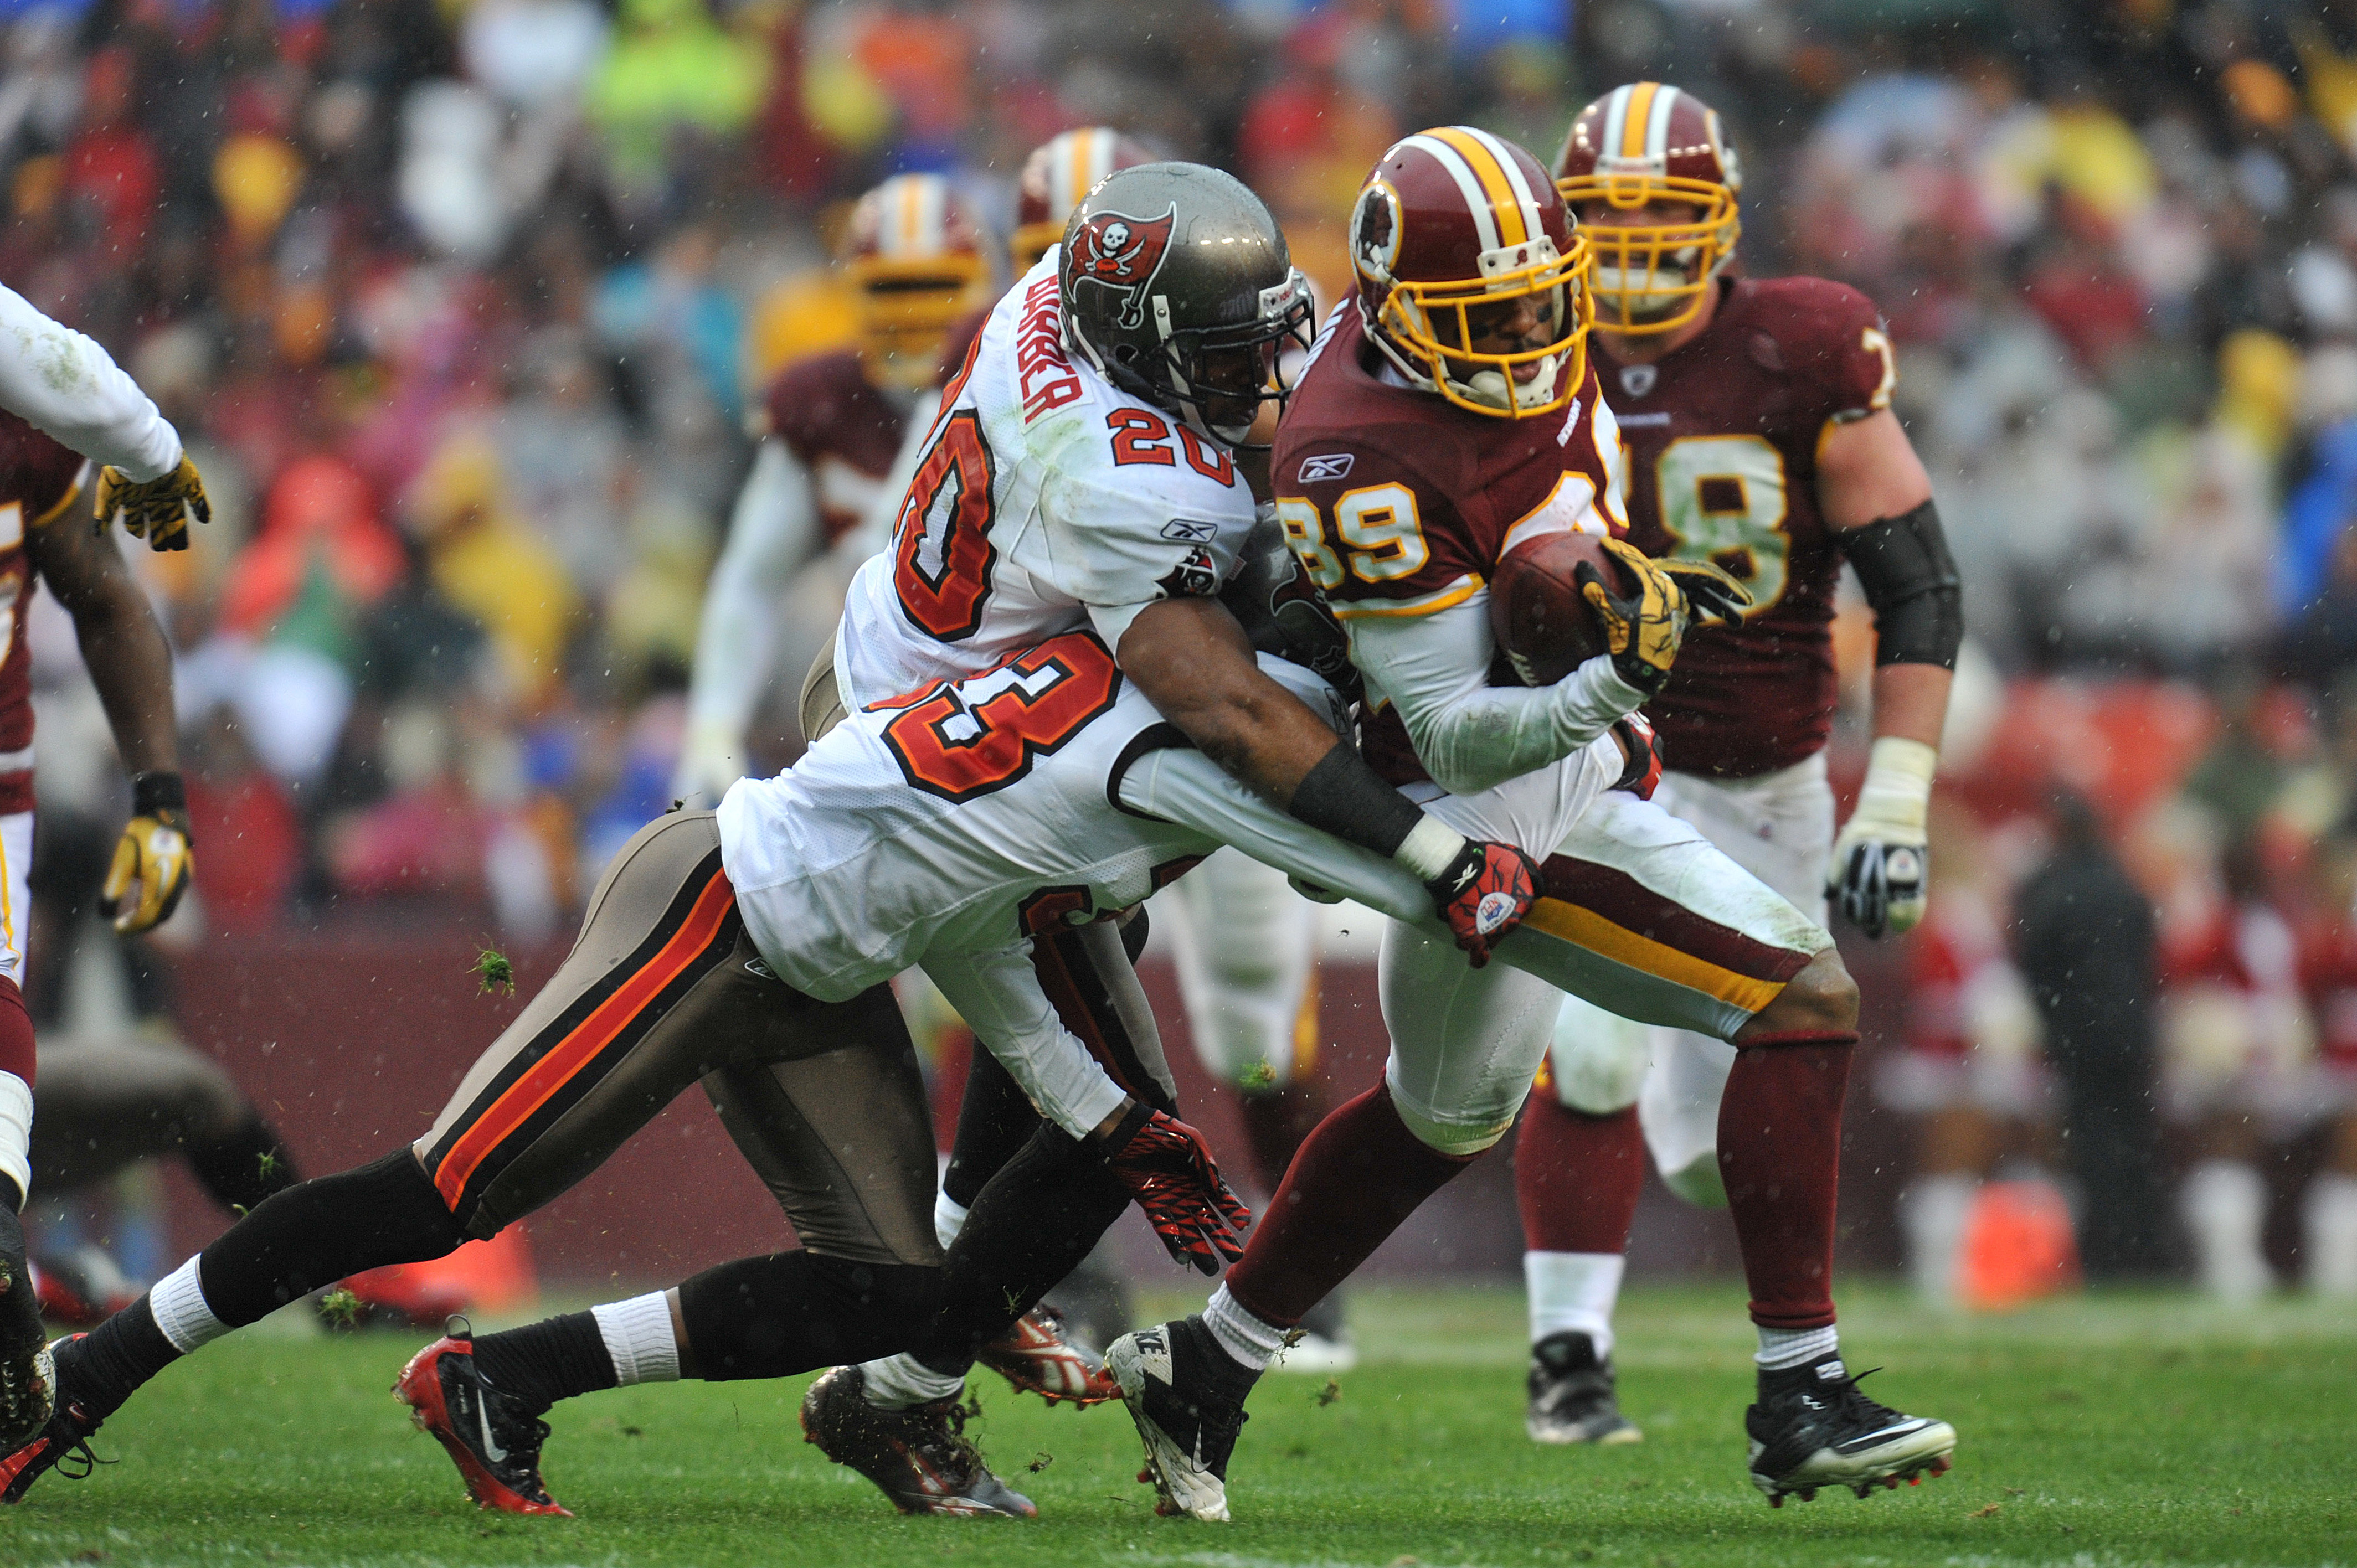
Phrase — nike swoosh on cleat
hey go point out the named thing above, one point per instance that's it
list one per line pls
(491, 1449)
(1913, 1425)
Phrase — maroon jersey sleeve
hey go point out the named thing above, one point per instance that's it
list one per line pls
(824, 406)
(959, 342)
(1838, 348)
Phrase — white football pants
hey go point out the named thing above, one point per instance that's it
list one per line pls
(1245, 942)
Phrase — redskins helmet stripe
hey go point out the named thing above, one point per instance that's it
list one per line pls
(1505, 208)
(1650, 127)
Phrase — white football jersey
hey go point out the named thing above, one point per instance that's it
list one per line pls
(1046, 501)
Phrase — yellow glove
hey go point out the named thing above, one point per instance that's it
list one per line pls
(1711, 594)
(153, 861)
(155, 509)
(1641, 631)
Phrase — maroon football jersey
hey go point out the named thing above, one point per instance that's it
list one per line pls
(1723, 434)
(1399, 503)
(37, 477)
(845, 430)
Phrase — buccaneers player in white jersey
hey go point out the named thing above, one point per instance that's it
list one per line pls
(829, 427)
(1448, 414)
(63, 397)
(1757, 418)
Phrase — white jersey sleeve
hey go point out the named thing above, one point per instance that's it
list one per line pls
(1119, 543)
(1435, 670)
(772, 535)
(995, 990)
(66, 386)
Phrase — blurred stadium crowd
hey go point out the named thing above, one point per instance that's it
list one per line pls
(462, 307)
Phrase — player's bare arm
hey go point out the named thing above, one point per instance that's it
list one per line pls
(131, 664)
(1877, 499)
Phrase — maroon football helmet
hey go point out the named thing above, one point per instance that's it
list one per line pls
(1059, 172)
(1647, 145)
(1453, 223)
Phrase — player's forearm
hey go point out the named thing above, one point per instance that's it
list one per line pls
(131, 664)
(1910, 701)
(1193, 663)
(66, 386)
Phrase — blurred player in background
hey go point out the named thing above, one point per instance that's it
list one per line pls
(829, 427)
(65, 398)
(1758, 425)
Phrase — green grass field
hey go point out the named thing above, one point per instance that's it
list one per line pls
(2111, 1430)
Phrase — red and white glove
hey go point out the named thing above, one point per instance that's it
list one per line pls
(1171, 1175)
(1642, 775)
(1484, 895)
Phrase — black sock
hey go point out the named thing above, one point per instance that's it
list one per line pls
(789, 1312)
(543, 1362)
(104, 1367)
(1030, 1227)
(244, 1168)
(317, 1233)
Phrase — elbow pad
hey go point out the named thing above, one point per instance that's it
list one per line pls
(1911, 580)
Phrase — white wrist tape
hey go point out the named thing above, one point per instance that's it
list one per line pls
(1428, 848)
(1898, 790)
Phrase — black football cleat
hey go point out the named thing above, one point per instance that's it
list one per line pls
(493, 1437)
(62, 1445)
(919, 1456)
(1572, 1398)
(1039, 1356)
(1814, 1428)
(28, 1378)
(1187, 1397)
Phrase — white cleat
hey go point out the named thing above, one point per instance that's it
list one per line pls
(1185, 1396)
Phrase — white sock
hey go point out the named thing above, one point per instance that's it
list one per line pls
(1935, 1211)
(177, 1302)
(1572, 1293)
(1783, 1348)
(2224, 1203)
(1252, 1343)
(949, 1219)
(16, 1131)
(2330, 1213)
(896, 1382)
(639, 1338)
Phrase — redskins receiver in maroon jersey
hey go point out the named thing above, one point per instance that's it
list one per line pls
(1447, 414)
(1755, 417)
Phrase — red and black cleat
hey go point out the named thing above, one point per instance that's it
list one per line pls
(1039, 1354)
(494, 1438)
(62, 1445)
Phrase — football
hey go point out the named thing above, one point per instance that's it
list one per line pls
(1537, 613)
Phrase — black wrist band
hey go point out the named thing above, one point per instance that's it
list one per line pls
(154, 792)
(1125, 1129)
(1342, 796)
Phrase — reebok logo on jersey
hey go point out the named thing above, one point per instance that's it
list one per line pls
(1188, 532)
(1494, 910)
(1333, 465)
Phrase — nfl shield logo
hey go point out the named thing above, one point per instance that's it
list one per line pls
(1637, 380)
